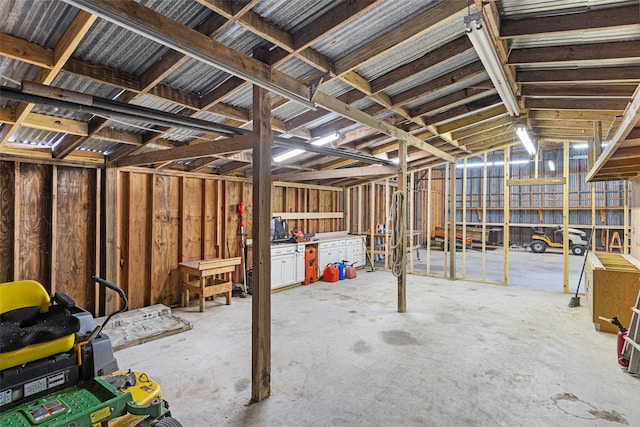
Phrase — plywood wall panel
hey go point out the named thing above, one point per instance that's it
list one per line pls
(7, 203)
(137, 265)
(165, 277)
(191, 219)
(34, 227)
(210, 248)
(75, 235)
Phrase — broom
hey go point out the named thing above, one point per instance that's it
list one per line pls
(575, 300)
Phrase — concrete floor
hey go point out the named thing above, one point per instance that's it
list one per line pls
(526, 269)
(464, 354)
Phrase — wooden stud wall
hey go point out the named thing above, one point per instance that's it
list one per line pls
(50, 226)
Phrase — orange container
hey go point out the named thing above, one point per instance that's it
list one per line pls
(310, 265)
(350, 272)
(331, 273)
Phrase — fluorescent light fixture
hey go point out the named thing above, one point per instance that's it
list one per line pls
(522, 133)
(320, 141)
(552, 165)
(485, 49)
(496, 163)
(285, 156)
(580, 146)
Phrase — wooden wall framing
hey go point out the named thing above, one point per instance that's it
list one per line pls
(57, 226)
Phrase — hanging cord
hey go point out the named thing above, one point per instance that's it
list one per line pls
(397, 242)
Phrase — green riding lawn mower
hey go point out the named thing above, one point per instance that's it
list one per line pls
(578, 242)
(57, 367)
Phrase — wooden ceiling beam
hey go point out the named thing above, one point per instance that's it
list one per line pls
(445, 52)
(120, 136)
(61, 53)
(487, 114)
(455, 98)
(462, 110)
(336, 173)
(573, 53)
(25, 51)
(575, 90)
(411, 29)
(192, 151)
(575, 104)
(615, 17)
(626, 74)
(493, 123)
(571, 115)
(456, 76)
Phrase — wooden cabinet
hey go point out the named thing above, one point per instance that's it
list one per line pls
(612, 282)
(328, 252)
(354, 253)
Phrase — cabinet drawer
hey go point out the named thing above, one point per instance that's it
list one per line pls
(328, 245)
(282, 251)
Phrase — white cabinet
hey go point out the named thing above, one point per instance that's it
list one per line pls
(354, 252)
(300, 267)
(283, 266)
(328, 253)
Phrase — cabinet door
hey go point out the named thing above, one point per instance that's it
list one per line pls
(276, 272)
(288, 269)
(300, 267)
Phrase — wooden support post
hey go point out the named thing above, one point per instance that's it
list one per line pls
(54, 229)
(565, 216)
(360, 190)
(372, 219)
(112, 215)
(507, 216)
(402, 233)
(464, 218)
(387, 223)
(261, 297)
(429, 200)
(346, 194)
(484, 214)
(97, 299)
(625, 233)
(445, 225)
(452, 221)
(593, 214)
(411, 195)
(535, 163)
(17, 215)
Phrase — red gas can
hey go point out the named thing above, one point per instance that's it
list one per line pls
(331, 273)
(350, 272)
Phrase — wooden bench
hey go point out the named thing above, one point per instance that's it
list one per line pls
(207, 278)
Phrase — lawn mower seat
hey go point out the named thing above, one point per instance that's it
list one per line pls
(31, 327)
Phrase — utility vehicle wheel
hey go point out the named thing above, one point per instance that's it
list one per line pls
(578, 250)
(538, 246)
(168, 422)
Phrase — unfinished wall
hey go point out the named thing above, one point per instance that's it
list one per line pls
(634, 205)
(48, 227)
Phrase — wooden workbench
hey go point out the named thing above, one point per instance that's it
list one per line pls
(207, 277)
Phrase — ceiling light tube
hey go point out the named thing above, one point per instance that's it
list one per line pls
(522, 133)
(326, 139)
(485, 49)
(285, 156)
(552, 165)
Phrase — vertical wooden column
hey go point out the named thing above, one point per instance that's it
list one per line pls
(411, 194)
(445, 225)
(261, 297)
(387, 223)
(464, 218)
(429, 175)
(625, 222)
(17, 215)
(372, 221)
(484, 213)
(346, 195)
(565, 215)
(452, 221)
(507, 216)
(98, 243)
(360, 220)
(112, 214)
(402, 233)
(54, 228)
